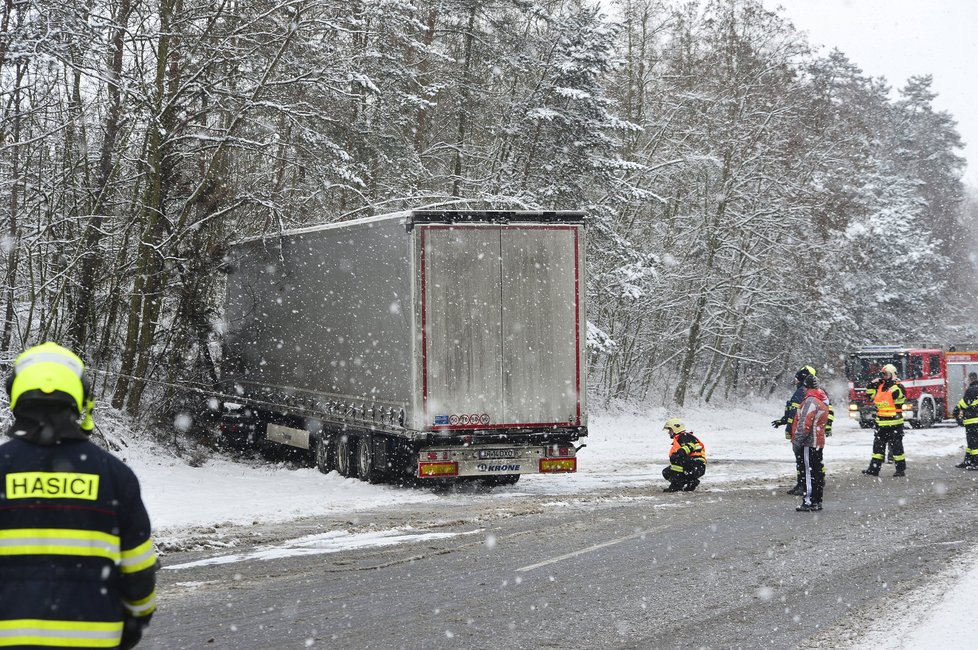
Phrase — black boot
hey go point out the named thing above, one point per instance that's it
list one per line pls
(798, 490)
(673, 487)
(964, 463)
(871, 472)
(689, 487)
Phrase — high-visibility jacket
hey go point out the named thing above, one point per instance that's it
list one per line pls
(76, 557)
(888, 396)
(686, 448)
(967, 406)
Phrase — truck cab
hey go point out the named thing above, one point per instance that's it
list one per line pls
(922, 371)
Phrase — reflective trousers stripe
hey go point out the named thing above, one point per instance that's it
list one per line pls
(878, 457)
(139, 558)
(63, 634)
(676, 468)
(59, 541)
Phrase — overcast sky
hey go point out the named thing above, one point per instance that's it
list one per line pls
(897, 39)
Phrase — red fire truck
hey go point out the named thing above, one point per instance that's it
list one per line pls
(934, 380)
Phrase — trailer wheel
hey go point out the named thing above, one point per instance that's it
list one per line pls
(344, 456)
(926, 415)
(365, 460)
(325, 453)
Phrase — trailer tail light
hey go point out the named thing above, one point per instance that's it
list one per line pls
(560, 451)
(436, 455)
(853, 406)
(436, 470)
(557, 465)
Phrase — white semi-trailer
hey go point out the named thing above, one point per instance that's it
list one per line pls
(426, 344)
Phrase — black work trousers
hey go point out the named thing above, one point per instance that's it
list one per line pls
(692, 471)
(799, 466)
(813, 474)
(971, 451)
(892, 436)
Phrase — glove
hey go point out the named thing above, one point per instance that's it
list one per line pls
(132, 633)
(787, 434)
(778, 423)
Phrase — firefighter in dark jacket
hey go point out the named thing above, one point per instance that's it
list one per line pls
(790, 407)
(687, 458)
(77, 564)
(889, 397)
(966, 412)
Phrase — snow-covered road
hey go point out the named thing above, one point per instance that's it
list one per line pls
(623, 450)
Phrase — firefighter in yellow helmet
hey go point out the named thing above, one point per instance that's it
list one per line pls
(888, 396)
(687, 458)
(77, 564)
(966, 413)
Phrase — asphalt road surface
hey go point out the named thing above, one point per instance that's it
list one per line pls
(730, 566)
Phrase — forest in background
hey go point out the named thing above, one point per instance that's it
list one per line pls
(751, 205)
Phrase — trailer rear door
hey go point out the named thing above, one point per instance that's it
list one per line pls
(501, 320)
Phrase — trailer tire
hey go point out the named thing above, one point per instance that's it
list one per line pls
(344, 456)
(325, 453)
(365, 460)
(926, 415)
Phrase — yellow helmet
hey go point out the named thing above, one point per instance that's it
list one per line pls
(805, 371)
(674, 426)
(890, 370)
(51, 372)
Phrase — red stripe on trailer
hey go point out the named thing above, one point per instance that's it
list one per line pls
(424, 330)
(577, 321)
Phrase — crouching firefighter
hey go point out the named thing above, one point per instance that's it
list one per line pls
(687, 458)
(77, 565)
